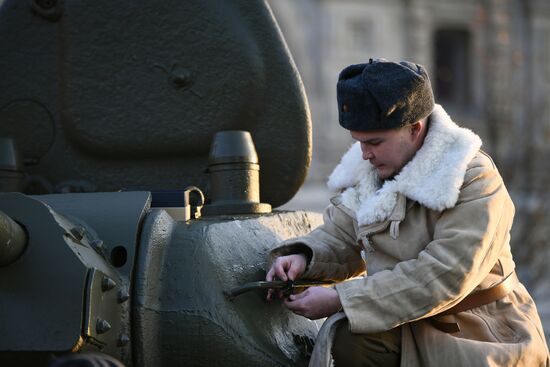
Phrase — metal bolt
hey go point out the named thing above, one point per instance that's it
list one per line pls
(122, 340)
(78, 232)
(99, 247)
(48, 9)
(46, 4)
(102, 326)
(123, 295)
(107, 284)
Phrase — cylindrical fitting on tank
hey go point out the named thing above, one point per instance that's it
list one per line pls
(11, 173)
(234, 175)
(13, 240)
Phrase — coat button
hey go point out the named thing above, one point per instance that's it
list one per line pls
(345, 108)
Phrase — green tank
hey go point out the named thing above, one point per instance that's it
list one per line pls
(143, 145)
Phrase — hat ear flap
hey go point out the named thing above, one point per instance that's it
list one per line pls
(401, 90)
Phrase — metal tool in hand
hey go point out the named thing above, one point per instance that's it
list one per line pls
(285, 286)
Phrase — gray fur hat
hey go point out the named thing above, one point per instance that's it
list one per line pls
(381, 95)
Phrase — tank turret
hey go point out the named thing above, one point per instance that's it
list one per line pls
(143, 146)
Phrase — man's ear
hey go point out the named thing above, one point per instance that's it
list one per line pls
(416, 128)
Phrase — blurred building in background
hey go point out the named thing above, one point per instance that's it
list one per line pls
(490, 69)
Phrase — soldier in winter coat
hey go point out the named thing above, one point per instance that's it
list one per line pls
(424, 216)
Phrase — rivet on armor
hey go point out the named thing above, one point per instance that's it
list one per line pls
(123, 340)
(107, 284)
(102, 326)
(123, 295)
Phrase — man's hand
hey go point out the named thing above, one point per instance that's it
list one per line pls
(314, 303)
(285, 268)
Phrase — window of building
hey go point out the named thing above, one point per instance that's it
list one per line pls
(452, 65)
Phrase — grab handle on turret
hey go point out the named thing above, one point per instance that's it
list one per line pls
(286, 286)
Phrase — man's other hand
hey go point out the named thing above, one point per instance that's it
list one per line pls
(314, 303)
(285, 268)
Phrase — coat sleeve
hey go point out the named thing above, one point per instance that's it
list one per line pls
(332, 248)
(466, 243)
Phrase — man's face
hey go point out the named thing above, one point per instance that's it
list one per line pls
(388, 150)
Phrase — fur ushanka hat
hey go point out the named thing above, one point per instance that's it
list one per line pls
(381, 95)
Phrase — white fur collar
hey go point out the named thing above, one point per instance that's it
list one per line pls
(432, 178)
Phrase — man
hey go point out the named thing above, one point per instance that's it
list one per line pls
(425, 215)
